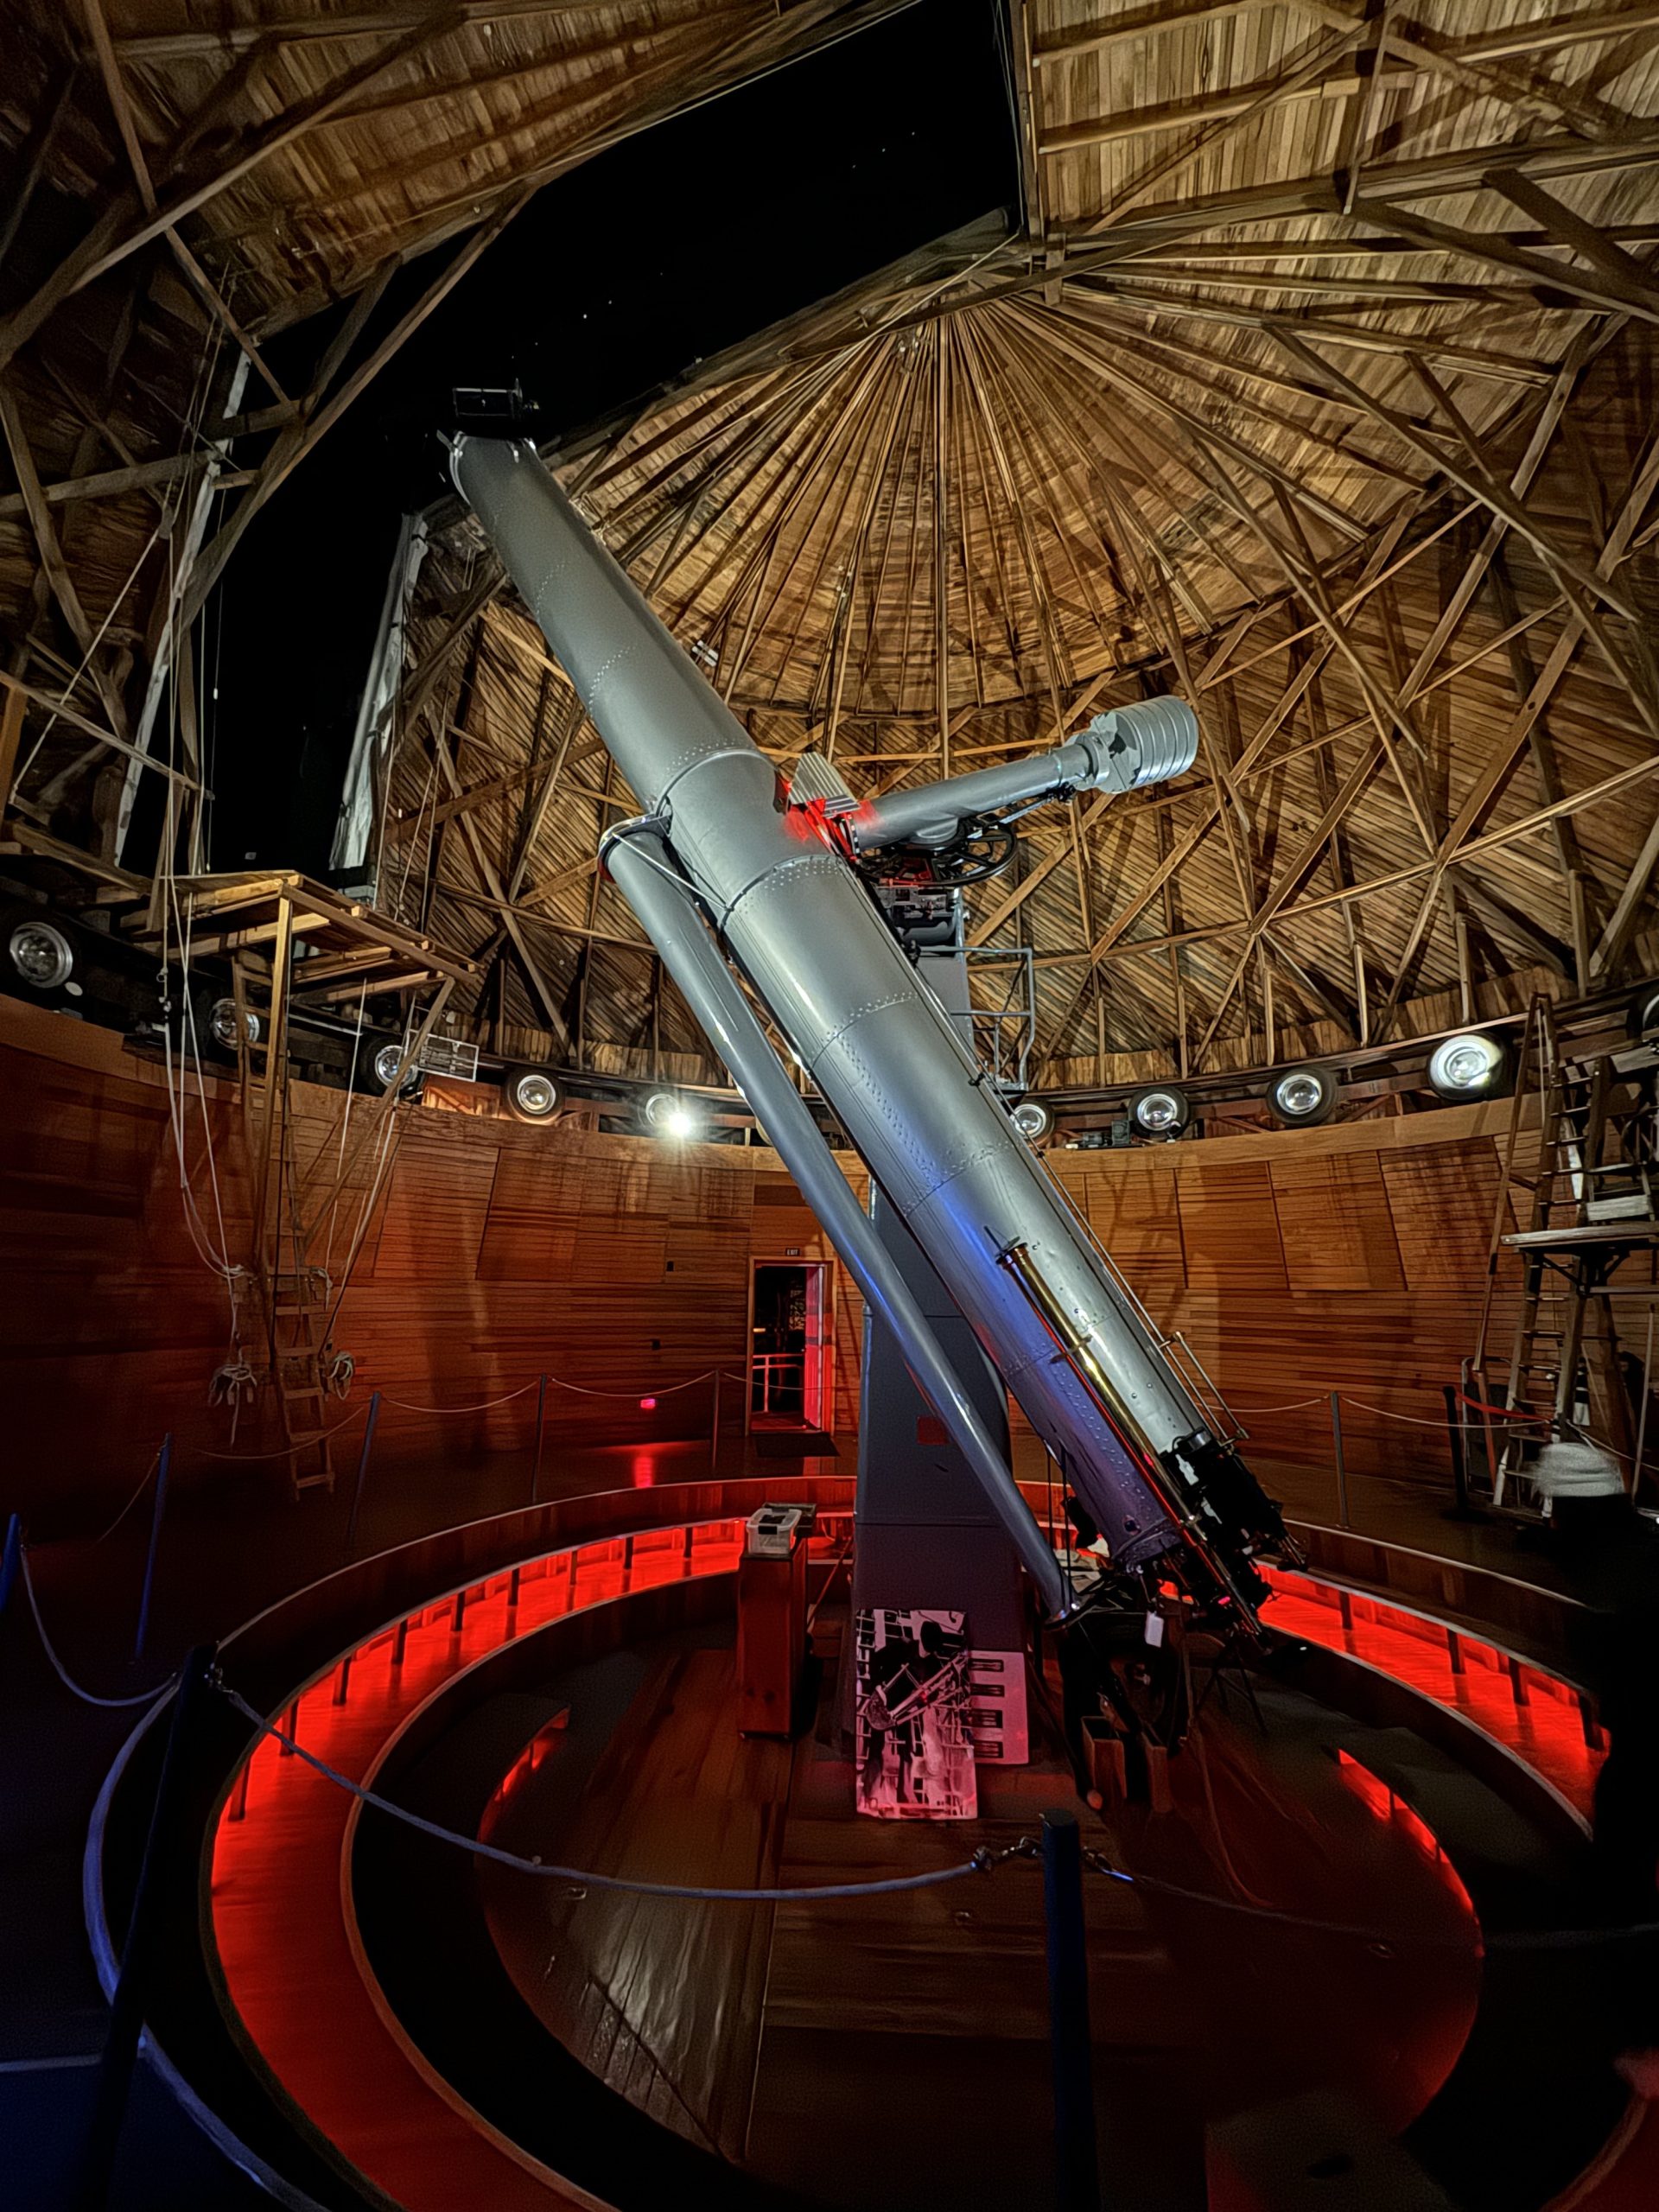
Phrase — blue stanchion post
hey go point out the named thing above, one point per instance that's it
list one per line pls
(536, 1462)
(163, 1460)
(10, 1558)
(140, 1962)
(1076, 2158)
(362, 1469)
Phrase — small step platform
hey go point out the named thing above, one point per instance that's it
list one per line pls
(340, 947)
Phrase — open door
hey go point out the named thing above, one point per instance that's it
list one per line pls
(792, 1356)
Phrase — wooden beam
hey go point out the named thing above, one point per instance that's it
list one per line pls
(54, 566)
(1590, 241)
(322, 410)
(1148, 22)
(1466, 474)
(113, 236)
(1614, 281)
(492, 882)
(62, 711)
(190, 44)
(36, 154)
(1114, 129)
(12, 710)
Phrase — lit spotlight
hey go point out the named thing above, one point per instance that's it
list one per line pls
(1472, 1066)
(1033, 1119)
(670, 1116)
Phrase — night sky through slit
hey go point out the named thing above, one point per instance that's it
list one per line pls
(682, 241)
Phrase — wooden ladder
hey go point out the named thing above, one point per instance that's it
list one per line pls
(301, 1358)
(295, 1297)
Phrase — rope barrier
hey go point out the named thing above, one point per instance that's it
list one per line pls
(1519, 1939)
(981, 1862)
(283, 1451)
(1294, 1406)
(1411, 1420)
(655, 1390)
(484, 1405)
(144, 1483)
(585, 1389)
(86, 1697)
(984, 1861)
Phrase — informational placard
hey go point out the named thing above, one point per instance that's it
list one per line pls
(914, 1737)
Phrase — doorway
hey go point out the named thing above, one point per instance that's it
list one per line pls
(791, 1349)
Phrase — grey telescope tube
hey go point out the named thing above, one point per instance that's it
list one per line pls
(797, 922)
(643, 870)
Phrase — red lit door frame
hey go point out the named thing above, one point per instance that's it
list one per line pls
(818, 1391)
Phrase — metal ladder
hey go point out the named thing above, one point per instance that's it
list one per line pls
(1594, 1172)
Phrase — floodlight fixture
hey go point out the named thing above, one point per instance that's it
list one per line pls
(1162, 1110)
(670, 1116)
(1471, 1065)
(531, 1094)
(1302, 1097)
(42, 955)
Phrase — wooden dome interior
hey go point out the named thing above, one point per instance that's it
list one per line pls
(1311, 379)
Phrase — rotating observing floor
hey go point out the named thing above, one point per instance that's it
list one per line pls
(893, 2051)
(890, 2052)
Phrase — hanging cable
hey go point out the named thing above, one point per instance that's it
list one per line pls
(981, 1862)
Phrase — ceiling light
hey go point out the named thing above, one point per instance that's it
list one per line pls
(1160, 1111)
(221, 1024)
(1303, 1097)
(386, 1063)
(1472, 1066)
(1033, 1119)
(42, 955)
(531, 1094)
(670, 1116)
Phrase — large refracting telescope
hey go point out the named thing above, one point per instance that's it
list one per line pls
(734, 875)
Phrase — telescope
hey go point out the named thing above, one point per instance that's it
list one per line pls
(813, 902)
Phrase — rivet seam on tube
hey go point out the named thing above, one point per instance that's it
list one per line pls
(699, 756)
(995, 1150)
(809, 864)
(858, 1014)
(608, 668)
(888, 1112)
